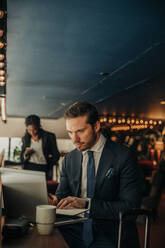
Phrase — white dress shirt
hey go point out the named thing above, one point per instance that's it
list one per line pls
(37, 157)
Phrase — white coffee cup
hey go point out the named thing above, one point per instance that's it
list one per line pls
(45, 218)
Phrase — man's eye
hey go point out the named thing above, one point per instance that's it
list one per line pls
(80, 131)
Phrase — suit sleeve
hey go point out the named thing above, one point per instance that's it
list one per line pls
(63, 189)
(128, 194)
(54, 150)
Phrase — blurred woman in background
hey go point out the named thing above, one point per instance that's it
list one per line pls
(39, 148)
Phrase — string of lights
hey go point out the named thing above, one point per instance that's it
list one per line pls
(120, 123)
(3, 64)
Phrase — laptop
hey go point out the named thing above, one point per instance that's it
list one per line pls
(23, 190)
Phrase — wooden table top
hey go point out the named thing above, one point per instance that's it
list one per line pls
(33, 239)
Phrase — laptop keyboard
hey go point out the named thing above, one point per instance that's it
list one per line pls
(62, 217)
(67, 219)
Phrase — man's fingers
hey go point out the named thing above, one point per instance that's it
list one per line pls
(70, 202)
(65, 202)
(52, 199)
(51, 196)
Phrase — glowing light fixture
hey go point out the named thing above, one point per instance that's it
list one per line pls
(1, 14)
(2, 72)
(2, 44)
(2, 78)
(2, 56)
(101, 119)
(3, 109)
(2, 84)
(1, 32)
(3, 68)
(2, 64)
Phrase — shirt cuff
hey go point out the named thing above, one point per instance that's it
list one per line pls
(88, 203)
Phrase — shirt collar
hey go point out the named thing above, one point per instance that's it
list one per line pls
(98, 146)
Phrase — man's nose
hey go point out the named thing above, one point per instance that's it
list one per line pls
(76, 138)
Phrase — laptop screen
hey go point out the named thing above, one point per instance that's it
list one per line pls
(23, 190)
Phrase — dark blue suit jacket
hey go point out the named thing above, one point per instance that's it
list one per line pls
(118, 188)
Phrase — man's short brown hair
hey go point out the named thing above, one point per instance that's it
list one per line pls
(83, 109)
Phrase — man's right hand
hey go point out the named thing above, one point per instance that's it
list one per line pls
(52, 200)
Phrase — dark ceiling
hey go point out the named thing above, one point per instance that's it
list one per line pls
(108, 52)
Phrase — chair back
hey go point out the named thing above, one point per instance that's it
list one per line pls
(135, 213)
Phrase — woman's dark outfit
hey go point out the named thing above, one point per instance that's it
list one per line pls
(49, 149)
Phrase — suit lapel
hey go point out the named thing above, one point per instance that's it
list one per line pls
(106, 162)
(77, 163)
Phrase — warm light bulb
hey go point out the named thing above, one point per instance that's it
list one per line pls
(1, 14)
(101, 119)
(3, 109)
(2, 64)
(2, 78)
(2, 56)
(2, 72)
(2, 84)
(1, 32)
(2, 44)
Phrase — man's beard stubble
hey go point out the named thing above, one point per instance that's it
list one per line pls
(90, 144)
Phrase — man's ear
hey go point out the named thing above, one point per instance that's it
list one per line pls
(97, 127)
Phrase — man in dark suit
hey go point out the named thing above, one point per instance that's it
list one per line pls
(116, 186)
